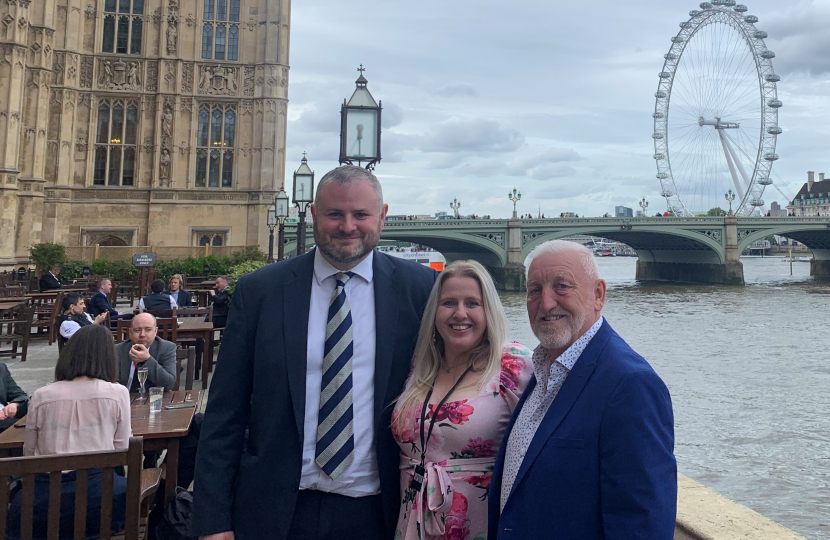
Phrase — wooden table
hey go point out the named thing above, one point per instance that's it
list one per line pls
(10, 304)
(199, 329)
(161, 431)
(203, 295)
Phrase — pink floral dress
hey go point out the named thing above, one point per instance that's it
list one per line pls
(452, 503)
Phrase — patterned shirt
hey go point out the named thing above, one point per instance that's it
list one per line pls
(550, 375)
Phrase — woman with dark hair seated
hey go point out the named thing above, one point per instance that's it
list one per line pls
(74, 316)
(84, 410)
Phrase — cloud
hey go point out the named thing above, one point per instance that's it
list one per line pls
(552, 170)
(471, 135)
(452, 90)
(391, 116)
(800, 38)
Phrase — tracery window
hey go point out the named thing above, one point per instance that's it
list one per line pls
(215, 145)
(115, 143)
(220, 30)
(123, 26)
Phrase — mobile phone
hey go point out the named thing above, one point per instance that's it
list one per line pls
(20, 425)
(180, 406)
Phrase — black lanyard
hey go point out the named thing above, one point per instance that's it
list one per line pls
(418, 474)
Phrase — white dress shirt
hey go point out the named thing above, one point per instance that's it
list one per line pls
(68, 328)
(360, 478)
(550, 376)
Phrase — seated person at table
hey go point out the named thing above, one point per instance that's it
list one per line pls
(221, 300)
(100, 302)
(146, 349)
(49, 281)
(74, 316)
(157, 300)
(83, 411)
(182, 298)
(13, 400)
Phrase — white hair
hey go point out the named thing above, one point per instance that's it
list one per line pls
(565, 246)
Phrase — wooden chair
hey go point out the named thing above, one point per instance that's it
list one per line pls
(122, 331)
(162, 313)
(141, 486)
(202, 314)
(17, 329)
(46, 315)
(188, 355)
(168, 328)
(12, 291)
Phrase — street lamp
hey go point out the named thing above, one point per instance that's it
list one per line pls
(455, 205)
(272, 223)
(206, 268)
(303, 197)
(644, 205)
(730, 196)
(360, 126)
(515, 197)
(281, 202)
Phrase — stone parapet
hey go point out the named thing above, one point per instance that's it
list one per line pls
(703, 514)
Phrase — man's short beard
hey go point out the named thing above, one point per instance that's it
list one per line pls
(342, 256)
(560, 339)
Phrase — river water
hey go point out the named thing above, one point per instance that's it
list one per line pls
(747, 368)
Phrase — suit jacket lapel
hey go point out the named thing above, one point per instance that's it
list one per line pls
(565, 399)
(386, 319)
(296, 300)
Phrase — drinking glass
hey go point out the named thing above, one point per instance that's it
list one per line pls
(142, 378)
(156, 395)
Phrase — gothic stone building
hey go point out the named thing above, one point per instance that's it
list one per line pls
(140, 122)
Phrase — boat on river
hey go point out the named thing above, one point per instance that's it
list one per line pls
(432, 259)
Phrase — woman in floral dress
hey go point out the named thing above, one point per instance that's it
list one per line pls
(471, 380)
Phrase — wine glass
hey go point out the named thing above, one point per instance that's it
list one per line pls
(142, 378)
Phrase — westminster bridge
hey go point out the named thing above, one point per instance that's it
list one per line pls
(676, 249)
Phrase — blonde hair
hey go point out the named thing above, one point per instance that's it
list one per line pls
(176, 276)
(429, 349)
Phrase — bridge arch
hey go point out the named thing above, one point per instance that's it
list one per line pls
(815, 238)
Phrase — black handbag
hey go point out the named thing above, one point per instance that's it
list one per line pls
(176, 522)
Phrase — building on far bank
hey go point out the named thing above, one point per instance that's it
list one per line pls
(775, 210)
(623, 211)
(813, 199)
(140, 122)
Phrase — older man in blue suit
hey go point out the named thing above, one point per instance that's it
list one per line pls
(589, 451)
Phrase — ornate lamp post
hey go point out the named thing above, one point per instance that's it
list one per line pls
(281, 211)
(272, 223)
(303, 197)
(644, 205)
(730, 196)
(515, 197)
(360, 126)
(455, 205)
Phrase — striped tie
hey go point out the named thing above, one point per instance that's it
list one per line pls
(335, 428)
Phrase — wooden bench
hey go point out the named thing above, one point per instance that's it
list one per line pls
(141, 485)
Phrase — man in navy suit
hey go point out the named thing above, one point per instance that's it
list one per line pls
(100, 302)
(588, 453)
(315, 351)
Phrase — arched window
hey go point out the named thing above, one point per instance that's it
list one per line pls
(123, 26)
(217, 240)
(204, 240)
(215, 141)
(115, 143)
(220, 30)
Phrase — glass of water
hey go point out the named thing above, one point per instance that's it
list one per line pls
(142, 379)
(156, 395)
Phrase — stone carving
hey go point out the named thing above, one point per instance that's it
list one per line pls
(119, 75)
(167, 121)
(529, 237)
(148, 145)
(164, 167)
(152, 76)
(190, 19)
(21, 22)
(212, 196)
(80, 144)
(713, 234)
(107, 194)
(57, 67)
(251, 24)
(218, 80)
(86, 72)
(85, 99)
(11, 179)
(170, 76)
(157, 195)
(35, 47)
(184, 149)
(172, 33)
(90, 11)
(187, 78)
(8, 19)
(246, 106)
(284, 78)
(157, 16)
(248, 84)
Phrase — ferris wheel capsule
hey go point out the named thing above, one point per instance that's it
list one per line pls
(765, 181)
(685, 24)
(667, 193)
(752, 19)
(705, 5)
(756, 202)
(767, 54)
(772, 77)
(658, 115)
(775, 103)
(774, 130)
(760, 34)
(659, 156)
(662, 175)
(656, 135)
(660, 94)
(770, 156)
(717, 2)
(729, 3)
(677, 39)
(665, 75)
(740, 8)
(694, 13)
(670, 56)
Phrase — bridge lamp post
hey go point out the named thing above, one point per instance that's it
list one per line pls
(360, 126)
(303, 197)
(515, 197)
(730, 196)
(644, 205)
(455, 205)
(276, 217)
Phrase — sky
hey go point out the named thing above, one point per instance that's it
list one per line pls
(552, 98)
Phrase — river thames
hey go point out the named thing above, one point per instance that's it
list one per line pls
(747, 368)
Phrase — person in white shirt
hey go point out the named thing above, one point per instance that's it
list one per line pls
(75, 316)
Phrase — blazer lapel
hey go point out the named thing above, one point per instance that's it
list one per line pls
(565, 399)
(296, 300)
(386, 319)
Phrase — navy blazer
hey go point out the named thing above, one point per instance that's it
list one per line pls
(99, 303)
(601, 465)
(250, 487)
(184, 299)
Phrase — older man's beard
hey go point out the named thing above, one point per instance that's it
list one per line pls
(348, 255)
(559, 338)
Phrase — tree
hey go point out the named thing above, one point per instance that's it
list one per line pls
(47, 256)
(716, 211)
